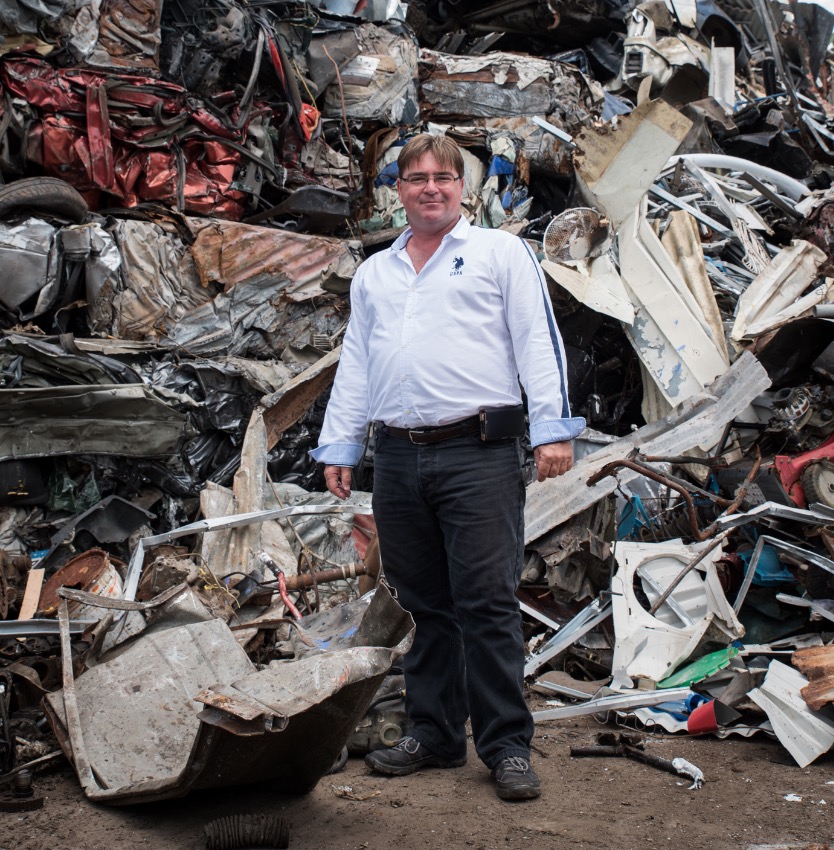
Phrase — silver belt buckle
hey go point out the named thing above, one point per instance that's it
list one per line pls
(411, 433)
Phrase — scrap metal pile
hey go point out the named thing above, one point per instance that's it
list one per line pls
(189, 188)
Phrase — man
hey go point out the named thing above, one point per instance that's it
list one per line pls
(442, 326)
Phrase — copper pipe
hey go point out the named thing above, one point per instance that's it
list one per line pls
(282, 589)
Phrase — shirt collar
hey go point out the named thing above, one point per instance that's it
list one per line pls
(459, 231)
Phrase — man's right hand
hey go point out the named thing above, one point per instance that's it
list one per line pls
(337, 479)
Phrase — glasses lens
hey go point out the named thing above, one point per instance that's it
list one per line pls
(423, 179)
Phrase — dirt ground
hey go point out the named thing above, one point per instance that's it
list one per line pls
(611, 803)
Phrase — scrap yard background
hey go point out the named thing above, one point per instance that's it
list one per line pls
(193, 630)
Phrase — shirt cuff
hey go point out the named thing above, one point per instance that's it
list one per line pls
(556, 430)
(338, 454)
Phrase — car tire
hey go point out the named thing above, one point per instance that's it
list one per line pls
(45, 194)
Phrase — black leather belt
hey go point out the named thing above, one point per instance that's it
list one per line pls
(424, 436)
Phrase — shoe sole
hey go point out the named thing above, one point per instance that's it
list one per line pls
(519, 792)
(405, 770)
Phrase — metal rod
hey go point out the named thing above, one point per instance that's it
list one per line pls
(688, 568)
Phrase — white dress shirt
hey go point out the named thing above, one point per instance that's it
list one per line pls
(429, 349)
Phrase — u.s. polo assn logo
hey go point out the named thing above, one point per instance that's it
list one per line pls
(457, 266)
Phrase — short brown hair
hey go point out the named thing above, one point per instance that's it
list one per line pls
(442, 148)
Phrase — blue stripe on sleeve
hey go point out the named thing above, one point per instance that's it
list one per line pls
(554, 335)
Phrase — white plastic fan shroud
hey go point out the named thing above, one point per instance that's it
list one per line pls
(576, 234)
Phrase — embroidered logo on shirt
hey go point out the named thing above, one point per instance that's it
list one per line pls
(458, 265)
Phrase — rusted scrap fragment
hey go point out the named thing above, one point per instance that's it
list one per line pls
(86, 572)
(114, 33)
(817, 664)
(226, 698)
(232, 254)
(288, 404)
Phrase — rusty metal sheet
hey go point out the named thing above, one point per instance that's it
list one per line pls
(115, 33)
(231, 255)
(617, 168)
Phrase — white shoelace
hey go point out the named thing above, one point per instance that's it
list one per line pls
(516, 763)
(408, 744)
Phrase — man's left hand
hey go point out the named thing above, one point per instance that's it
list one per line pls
(553, 459)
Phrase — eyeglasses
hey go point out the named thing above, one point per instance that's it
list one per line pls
(442, 179)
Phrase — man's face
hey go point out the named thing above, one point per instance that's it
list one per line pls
(431, 208)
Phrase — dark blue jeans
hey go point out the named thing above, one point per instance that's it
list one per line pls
(450, 518)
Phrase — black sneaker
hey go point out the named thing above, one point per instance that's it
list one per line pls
(515, 779)
(406, 756)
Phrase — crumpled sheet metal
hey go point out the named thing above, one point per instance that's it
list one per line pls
(156, 282)
(683, 245)
(33, 253)
(778, 288)
(670, 332)
(646, 54)
(234, 255)
(28, 254)
(236, 289)
(86, 132)
(692, 423)
(114, 33)
(113, 419)
(617, 167)
(379, 82)
(142, 737)
(596, 283)
(497, 85)
(804, 733)
(25, 16)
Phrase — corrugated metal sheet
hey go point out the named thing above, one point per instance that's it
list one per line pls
(230, 254)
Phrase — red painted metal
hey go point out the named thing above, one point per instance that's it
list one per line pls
(790, 469)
